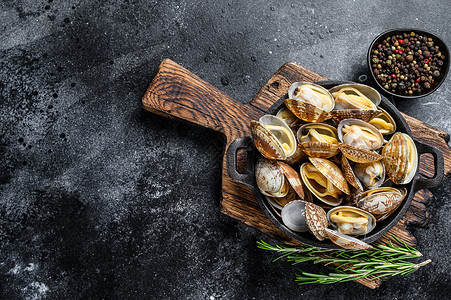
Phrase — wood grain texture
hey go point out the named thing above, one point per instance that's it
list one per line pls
(177, 93)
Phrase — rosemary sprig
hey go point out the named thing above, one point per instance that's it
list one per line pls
(379, 261)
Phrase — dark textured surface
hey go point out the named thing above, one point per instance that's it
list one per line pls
(100, 199)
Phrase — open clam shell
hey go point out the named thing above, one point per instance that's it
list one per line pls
(270, 178)
(309, 102)
(273, 138)
(381, 201)
(355, 96)
(301, 216)
(371, 175)
(318, 140)
(346, 241)
(351, 220)
(276, 179)
(400, 158)
(384, 122)
(324, 180)
(359, 134)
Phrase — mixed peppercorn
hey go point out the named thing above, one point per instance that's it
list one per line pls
(407, 63)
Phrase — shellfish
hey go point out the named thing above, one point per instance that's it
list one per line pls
(275, 179)
(301, 216)
(381, 201)
(359, 134)
(355, 96)
(384, 122)
(318, 140)
(325, 180)
(309, 102)
(400, 158)
(273, 138)
(351, 220)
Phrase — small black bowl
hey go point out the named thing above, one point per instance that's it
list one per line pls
(437, 41)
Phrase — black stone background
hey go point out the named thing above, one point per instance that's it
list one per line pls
(100, 199)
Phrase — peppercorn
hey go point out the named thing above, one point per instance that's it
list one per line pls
(404, 62)
(427, 85)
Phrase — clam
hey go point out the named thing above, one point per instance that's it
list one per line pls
(301, 216)
(381, 201)
(345, 241)
(359, 134)
(400, 158)
(351, 220)
(318, 140)
(371, 175)
(309, 102)
(384, 122)
(325, 180)
(359, 139)
(275, 179)
(270, 178)
(355, 96)
(273, 138)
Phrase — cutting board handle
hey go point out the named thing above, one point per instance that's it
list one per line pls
(175, 92)
(246, 178)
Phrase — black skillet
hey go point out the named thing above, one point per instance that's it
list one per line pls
(419, 182)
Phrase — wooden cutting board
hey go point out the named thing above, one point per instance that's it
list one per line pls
(177, 93)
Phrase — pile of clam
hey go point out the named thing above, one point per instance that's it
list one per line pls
(328, 168)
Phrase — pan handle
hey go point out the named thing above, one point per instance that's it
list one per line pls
(246, 178)
(439, 166)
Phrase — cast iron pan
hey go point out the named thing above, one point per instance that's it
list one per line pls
(419, 182)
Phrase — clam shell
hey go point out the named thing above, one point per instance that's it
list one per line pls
(361, 114)
(371, 220)
(318, 147)
(367, 91)
(349, 174)
(358, 155)
(293, 93)
(269, 142)
(266, 143)
(269, 177)
(413, 159)
(381, 122)
(330, 200)
(293, 178)
(368, 127)
(331, 172)
(316, 220)
(307, 112)
(301, 216)
(345, 241)
(319, 150)
(395, 157)
(381, 201)
(293, 216)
